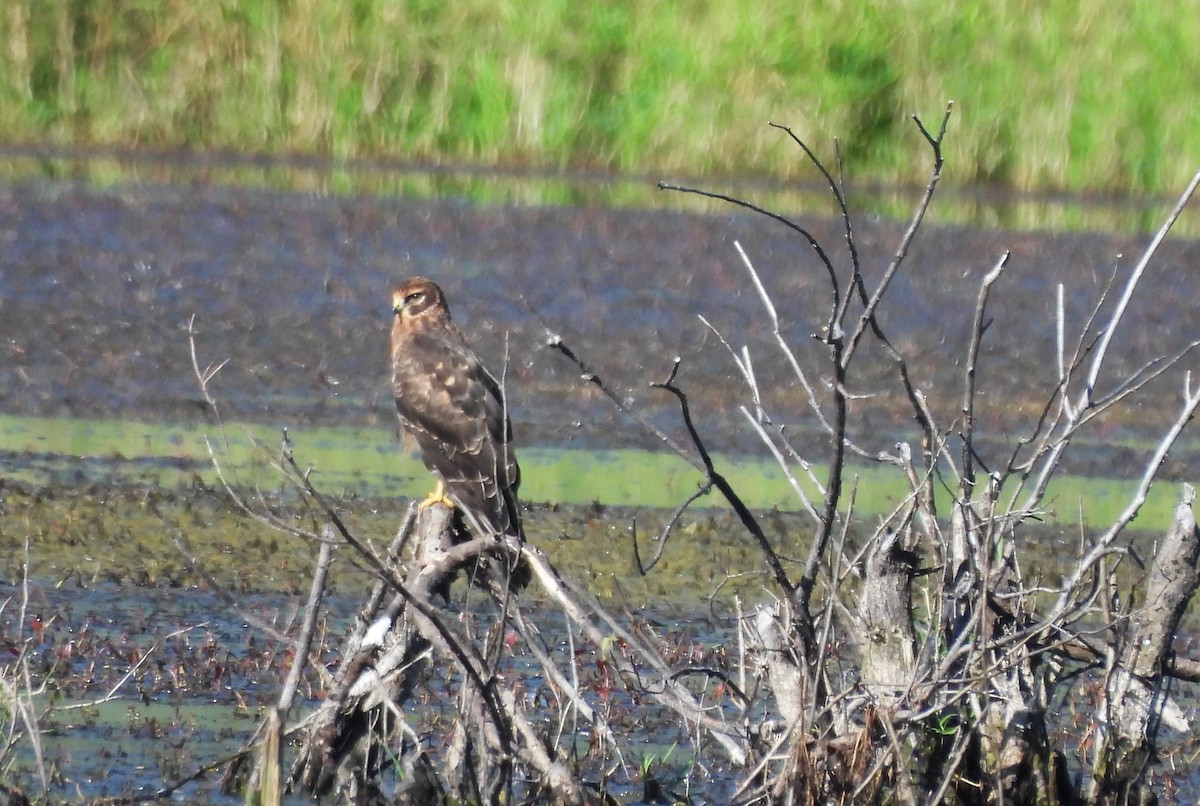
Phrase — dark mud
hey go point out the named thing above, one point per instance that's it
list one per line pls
(97, 287)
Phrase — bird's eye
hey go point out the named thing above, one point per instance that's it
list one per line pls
(414, 297)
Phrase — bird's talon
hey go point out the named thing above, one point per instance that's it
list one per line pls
(438, 496)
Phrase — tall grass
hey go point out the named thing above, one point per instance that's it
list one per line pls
(1074, 96)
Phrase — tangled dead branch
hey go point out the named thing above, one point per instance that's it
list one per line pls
(952, 699)
(914, 659)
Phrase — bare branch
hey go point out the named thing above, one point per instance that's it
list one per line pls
(722, 484)
(968, 406)
(812, 241)
(1123, 303)
(660, 544)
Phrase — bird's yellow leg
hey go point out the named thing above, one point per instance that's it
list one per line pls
(438, 496)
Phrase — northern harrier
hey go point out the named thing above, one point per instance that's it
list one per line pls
(454, 408)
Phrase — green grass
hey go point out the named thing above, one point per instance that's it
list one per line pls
(1048, 96)
(130, 503)
(66, 453)
(72, 452)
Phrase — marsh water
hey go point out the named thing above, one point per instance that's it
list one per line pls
(288, 282)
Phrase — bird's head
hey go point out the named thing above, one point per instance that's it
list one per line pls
(417, 296)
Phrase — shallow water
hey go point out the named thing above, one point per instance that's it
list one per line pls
(97, 287)
(204, 670)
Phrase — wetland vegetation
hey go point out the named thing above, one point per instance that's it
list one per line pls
(151, 619)
(130, 510)
(110, 486)
(645, 87)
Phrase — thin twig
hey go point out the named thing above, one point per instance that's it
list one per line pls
(1123, 303)
(968, 406)
(664, 534)
(787, 222)
(722, 484)
(308, 627)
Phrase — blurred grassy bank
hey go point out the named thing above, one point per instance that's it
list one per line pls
(1061, 96)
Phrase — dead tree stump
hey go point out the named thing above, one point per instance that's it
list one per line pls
(1136, 688)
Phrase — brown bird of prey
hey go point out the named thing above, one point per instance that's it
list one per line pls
(455, 410)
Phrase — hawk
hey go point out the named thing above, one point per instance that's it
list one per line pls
(455, 410)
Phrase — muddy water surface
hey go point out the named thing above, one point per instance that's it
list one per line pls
(97, 288)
